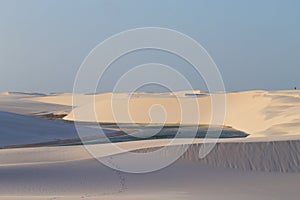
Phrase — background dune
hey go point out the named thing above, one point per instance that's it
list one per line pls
(258, 113)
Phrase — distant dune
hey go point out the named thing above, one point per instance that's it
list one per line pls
(258, 113)
(4, 93)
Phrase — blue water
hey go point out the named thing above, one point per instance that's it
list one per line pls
(135, 132)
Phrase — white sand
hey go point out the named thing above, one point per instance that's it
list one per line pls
(19, 103)
(69, 172)
(4, 93)
(258, 113)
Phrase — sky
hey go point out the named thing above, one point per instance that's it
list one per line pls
(255, 44)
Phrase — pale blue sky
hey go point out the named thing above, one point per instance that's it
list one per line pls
(256, 44)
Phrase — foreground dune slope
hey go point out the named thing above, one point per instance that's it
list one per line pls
(268, 156)
(71, 173)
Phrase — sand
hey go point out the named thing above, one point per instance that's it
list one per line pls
(264, 165)
(258, 113)
(70, 172)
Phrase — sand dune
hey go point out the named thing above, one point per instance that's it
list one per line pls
(258, 113)
(81, 99)
(20, 104)
(4, 93)
(71, 173)
(89, 179)
(264, 165)
(268, 156)
(62, 99)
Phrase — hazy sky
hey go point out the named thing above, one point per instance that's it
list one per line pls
(255, 43)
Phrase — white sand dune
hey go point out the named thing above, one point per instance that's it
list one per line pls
(19, 103)
(89, 179)
(4, 93)
(258, 113)
(268, 156)
(82, 99)
(70, 172)
(62, 99)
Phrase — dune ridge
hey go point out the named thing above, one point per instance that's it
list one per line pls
(258, 113)
(268, 156)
